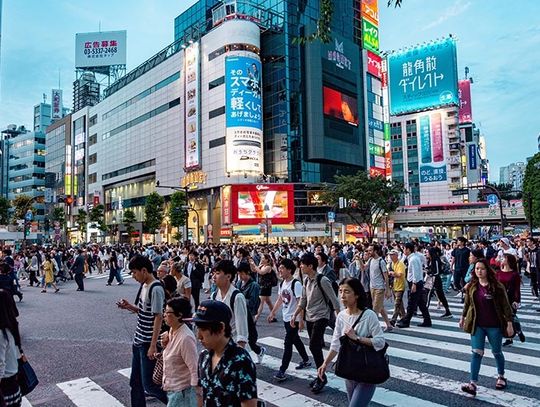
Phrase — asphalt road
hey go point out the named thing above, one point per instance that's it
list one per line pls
(74, 335)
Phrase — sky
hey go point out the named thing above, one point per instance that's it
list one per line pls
(498, 40)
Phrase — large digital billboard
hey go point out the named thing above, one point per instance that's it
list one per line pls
(423, 77)
(254, 203)
(465, 107)
(103, 48)
(243, 110)
(431, 148)
(340, 106)
(192, 138)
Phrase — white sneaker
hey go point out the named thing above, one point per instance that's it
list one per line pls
(458, 295)
(260, 356)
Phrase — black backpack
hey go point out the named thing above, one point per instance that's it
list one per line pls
(335, 287)
(252, 330)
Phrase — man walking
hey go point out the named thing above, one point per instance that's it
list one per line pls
(398, 272)
(78, 270)
(195, 271)
(460, 261)
(417, 297)
(378, 282)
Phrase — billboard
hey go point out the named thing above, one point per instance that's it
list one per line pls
(465, 107)
(226, 208)
(254, 203)
(473, 158)
(103, 48)
(431, 148)
(56, 104)
(374, 64)
(243, 112)
(340, 106)
(370, 10)
(192, 139)
(423, 77)
(370, 36)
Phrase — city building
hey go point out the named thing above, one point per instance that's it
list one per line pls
(240, 116)
(513, 174)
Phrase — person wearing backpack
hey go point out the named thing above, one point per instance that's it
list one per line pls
(149, 305)
(243, 327)
(379, 283)
(249, 287)
(315, 307)
(290, 292)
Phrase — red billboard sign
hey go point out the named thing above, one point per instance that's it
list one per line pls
(377, 172)
(465, 107)
(374, 64)
(254, 203)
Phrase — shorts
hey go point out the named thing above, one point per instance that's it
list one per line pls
(266, 291)
(377, 298)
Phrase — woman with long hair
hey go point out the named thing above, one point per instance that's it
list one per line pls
(10, 345)
(48, 274)
(340, 269)
(264, 272)
(114, 270)
(509, 276)
(367, 332)
(486, 312)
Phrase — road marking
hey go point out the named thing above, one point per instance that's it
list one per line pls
(125, 372)
(25, 402)
(284, 397)
(86, 393)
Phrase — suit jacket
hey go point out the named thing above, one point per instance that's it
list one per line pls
(78, 265)
(197, 275)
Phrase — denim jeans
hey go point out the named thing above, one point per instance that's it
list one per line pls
(186, 397)
(292, 338)
(316, 336)
(140, 381)
(359, 394)
(478, 342)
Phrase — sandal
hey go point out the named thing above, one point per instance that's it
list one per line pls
(469, 388)
(501, 383)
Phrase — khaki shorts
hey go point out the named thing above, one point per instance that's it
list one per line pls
(377, 298)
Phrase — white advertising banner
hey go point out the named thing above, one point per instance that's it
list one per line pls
(104, 48)
(192, 147)
(56, 101)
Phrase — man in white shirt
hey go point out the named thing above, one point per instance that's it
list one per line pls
(417, 297)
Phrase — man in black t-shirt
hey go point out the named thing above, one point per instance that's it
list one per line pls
(460, 262)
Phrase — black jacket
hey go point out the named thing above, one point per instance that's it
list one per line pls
(197, 275)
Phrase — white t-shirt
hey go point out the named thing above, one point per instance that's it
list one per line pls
(289, 299)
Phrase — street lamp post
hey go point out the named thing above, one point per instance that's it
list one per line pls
(386, 215)
(266, 210)
(113, 230)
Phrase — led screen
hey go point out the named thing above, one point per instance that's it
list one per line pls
(340, 106)
(251, 204)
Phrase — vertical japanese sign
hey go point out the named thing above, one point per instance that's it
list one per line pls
(226, 214)
(374, 64)
(243, 109)
(370, 36)
(430, 148)
(387, 150)
(56, 101)
(192, 139)
(465, 107)
(473, 162)
(370, 11)
(423, 77)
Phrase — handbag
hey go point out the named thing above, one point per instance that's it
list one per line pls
(361, 363)
(157, 375)
(26, 376)
(429, 282)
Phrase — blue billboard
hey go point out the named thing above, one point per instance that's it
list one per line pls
(243, 102)
(423, 77)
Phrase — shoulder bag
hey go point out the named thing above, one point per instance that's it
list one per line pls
(361, 363)
(26, 376)
(157, 375)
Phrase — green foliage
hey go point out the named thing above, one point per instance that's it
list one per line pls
(97, 215)
(531, 189)
(129, 220)
(5, 206)
(21, 204)
(82, 220)
(177, 215)
(153, 212)
(369, 197)
(58, 215)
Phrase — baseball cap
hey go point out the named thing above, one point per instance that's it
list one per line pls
(394, 251)
(213, 311)
(505, 241)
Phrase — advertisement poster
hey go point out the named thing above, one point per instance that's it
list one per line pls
(374, 64)
(56, 101)
(104, 48)
(370, 36)
(370, 10)
(340, 106)
(473, 161)
(243, 109)
(226, 218)
(465, 107)
(423, 77)
(258, 202)
(430, 148)
(192, 146)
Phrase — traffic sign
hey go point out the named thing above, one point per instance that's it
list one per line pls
(331, 217)
(462, 191)
(29, 215)
(492, 199)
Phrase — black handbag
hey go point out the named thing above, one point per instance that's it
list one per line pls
(361, 363)
(26, 376)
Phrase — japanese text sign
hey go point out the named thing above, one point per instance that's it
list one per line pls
(370, 36)
(105, 48)
(465, 107)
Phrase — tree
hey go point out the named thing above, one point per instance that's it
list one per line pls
(531, 190)
(82, 221)
(368, 198)
(153, 212)
(324, 23)
(177, 214)
(97, 215)
(129, 220)
(58, 215)
(21, 204)
(5, 206)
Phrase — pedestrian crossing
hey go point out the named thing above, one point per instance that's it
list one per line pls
(95, 276)
(428, 366)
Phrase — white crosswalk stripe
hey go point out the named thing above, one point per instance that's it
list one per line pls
(95, 276)
(436, 361)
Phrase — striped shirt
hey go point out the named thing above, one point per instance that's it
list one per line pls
(148, 308)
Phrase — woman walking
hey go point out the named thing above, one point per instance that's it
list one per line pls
(367, 332)
(509, 276)
(48, 274)
(264, 272)
(486, 312)
(10, 344)
(114, 270)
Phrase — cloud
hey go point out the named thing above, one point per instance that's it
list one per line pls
(454, 10)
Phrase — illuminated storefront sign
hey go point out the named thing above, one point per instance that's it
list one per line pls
(370, 36)
(374, 64)
(192, 139)
(430, 145)
(315, 198)
(338, 56)
(254, 203)
(370, 10)
(465, 107)
(226, 206)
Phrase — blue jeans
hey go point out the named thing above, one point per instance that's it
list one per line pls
(359, 394)
(140, 381)
(478, 342)
(184, 398)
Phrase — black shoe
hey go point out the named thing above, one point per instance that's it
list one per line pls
(425, 324)
(314, 382)
(393, 323)
(319, 386)
(402, 324)
(280, 376)
(447, 314)
(508, 342)
(20, 299)
(520, 334)
(303, 365)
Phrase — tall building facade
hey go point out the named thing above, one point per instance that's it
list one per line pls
(513, 174)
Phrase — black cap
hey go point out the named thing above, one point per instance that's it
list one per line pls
(213, 311)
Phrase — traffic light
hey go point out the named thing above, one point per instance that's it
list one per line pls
(327, 229)
(69, 200)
